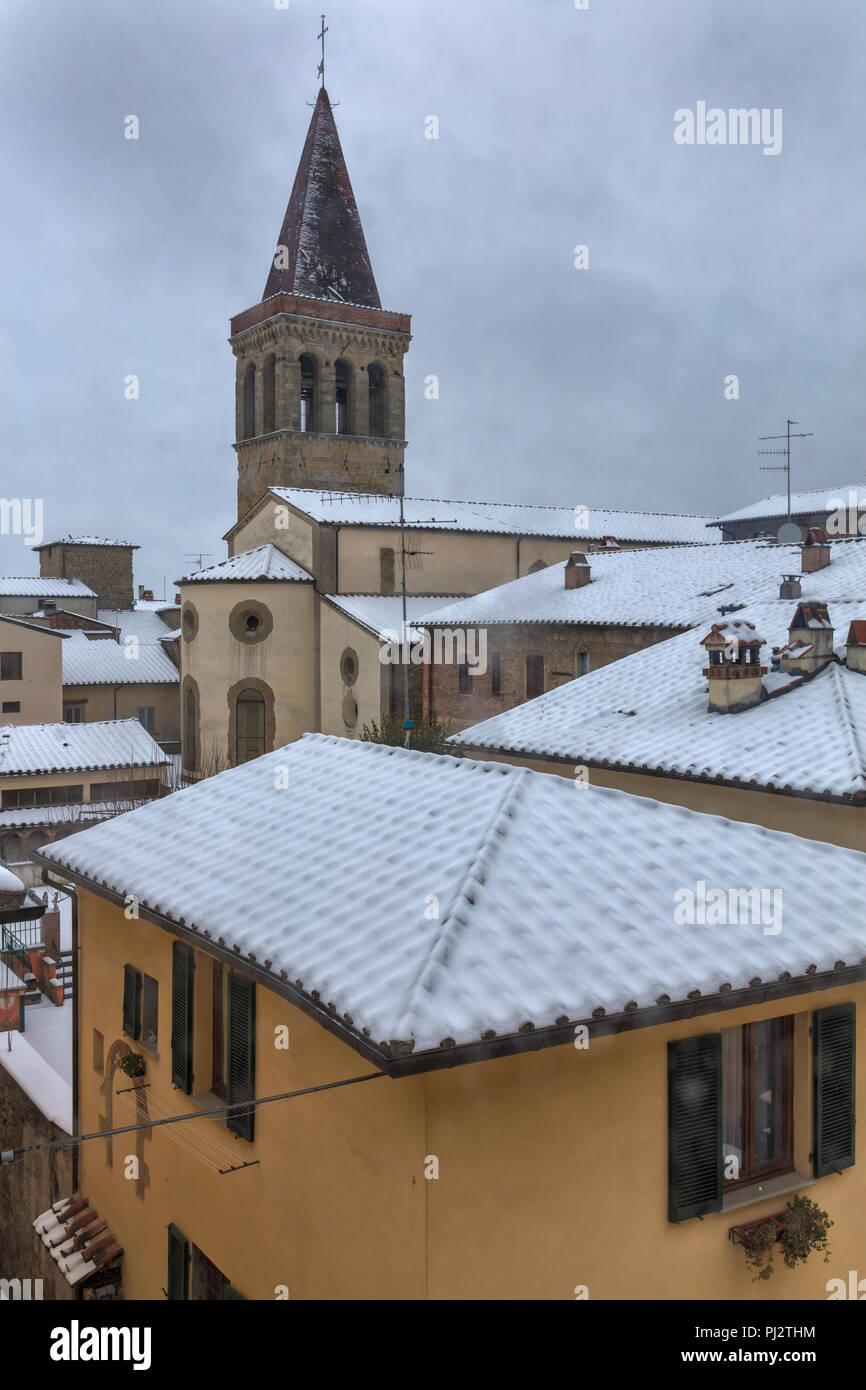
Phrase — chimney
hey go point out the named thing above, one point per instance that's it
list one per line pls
(790, 586)
(148, 595)
(49, 605)
(576, 570)
(141, 591)
(734, 675)
(810, 640)
(855, 651)
(815, 550)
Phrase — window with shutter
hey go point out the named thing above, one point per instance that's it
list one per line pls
(694, 1126)
(178, 1265)
(833, 1060)
(131, 1001)
(241, 1053)
(182, 971)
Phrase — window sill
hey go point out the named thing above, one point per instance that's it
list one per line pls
(760, 1191)
(209, 1100)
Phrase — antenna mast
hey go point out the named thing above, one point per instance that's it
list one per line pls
(785, 453)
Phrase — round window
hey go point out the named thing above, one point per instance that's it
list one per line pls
(349, 666)
(251, 621)
(350, 711)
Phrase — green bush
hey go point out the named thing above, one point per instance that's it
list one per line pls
(428, 735)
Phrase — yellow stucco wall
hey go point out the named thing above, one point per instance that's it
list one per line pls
(100, 704)
(217, 661)
(337, 634)
(334, 1206)
(39, 692)
(552, 1165)
(279, 525)
(797, 815)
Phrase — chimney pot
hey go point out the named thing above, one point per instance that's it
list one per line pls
(790, 586)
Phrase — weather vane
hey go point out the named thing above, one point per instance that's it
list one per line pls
(321, 68)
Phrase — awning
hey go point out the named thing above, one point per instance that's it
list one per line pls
(76, 1239)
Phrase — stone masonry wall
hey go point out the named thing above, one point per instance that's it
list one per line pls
(559, 648)
(106, 569)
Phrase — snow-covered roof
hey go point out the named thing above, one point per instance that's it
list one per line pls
(9, 882)
(87, 540)
(677, 586)
(32, 586)
(102, 661)
(424, 899)
(821, 499)
(84, 813)
(649, 711)
(112, 743)
(264, 562)
(496, 518)
(383, 613)
(155, 605)
(32, 627)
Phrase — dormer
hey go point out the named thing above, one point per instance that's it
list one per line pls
(734, 674)
(810, 640)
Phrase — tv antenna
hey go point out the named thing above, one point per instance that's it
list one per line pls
(201, 556)
(784, 453)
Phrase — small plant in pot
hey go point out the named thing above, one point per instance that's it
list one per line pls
(758, 1241)
(132, 1063)
(804, 1229)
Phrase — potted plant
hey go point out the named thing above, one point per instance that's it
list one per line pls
(757, 1239)
(132, 1063)
(801, 1228)
(804, 1229)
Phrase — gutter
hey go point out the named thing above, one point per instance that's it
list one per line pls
(858, 799)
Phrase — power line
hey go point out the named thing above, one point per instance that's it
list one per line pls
(244, 1106)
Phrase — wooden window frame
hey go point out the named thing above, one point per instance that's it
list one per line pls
(750, 1172)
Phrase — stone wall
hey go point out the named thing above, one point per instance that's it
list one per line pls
(275, 451)
(560, 649)
(107, 569)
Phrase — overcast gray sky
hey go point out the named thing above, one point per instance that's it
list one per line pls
(601, 386)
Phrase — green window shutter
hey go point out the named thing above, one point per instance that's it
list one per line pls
(178, 1264)
(833, 1067)
(182, 972)
(233, 1293)
(241, 1053)
(694, 1126)
(131, 1001)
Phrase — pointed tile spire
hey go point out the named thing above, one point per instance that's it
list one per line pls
(322, 252)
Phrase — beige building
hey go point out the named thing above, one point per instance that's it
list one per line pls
(31, 672)
(56, 778)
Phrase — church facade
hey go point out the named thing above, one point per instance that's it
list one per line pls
(288, 635)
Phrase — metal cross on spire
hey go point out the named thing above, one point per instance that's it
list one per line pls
(321, 68)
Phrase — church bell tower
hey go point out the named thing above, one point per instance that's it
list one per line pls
(320, 399)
